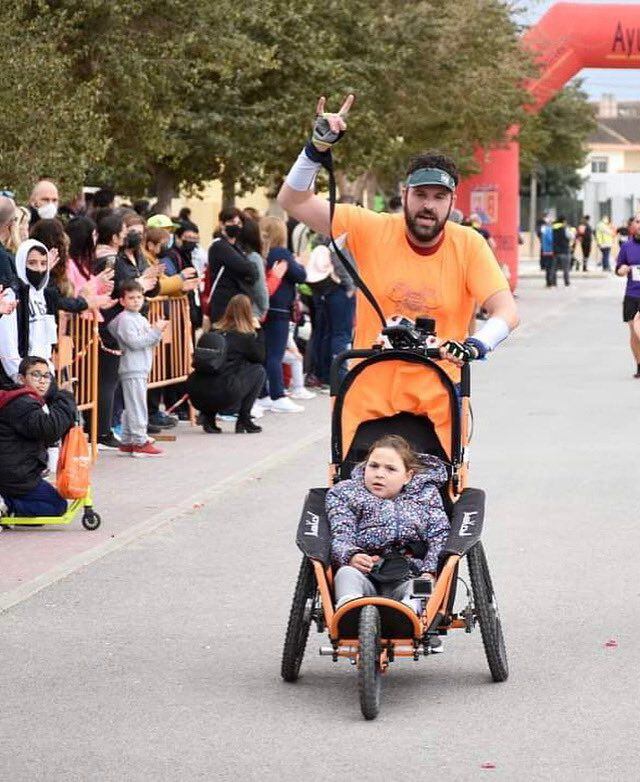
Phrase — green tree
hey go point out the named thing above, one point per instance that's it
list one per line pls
(556, 137)
(51, 124)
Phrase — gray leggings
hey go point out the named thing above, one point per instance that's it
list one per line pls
(350, 582)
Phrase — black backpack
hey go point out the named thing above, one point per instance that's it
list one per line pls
(210, 354)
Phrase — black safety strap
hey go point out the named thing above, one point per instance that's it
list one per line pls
(328, 165)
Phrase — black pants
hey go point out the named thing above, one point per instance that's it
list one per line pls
(107, 382)
(249, 382)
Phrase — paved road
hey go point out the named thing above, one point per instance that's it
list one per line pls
(160, 661)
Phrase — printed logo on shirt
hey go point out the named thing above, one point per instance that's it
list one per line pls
(413, 301)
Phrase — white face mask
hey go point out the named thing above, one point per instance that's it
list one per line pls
(47, 211)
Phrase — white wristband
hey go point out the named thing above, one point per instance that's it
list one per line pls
(303, 173)
(493, 332)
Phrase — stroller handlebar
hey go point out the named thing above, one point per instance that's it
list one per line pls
(430, 353)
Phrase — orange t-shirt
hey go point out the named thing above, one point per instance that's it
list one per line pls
(444, 285)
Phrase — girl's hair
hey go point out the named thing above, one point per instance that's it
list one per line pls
(409, 457)
(82, 247)
(156, 236)
(52, 234)
(250, 236)
(274, 233)
(238, 316)
(17, 235)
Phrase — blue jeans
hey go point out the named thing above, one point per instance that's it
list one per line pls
(276, 335)
(340, 311)
(43, 500)
(606, 252)
(333, 331)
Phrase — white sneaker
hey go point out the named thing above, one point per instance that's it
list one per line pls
(301, 393)
(257, 411)
(285, 405)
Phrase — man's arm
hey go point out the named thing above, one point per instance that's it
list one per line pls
(296, 195)
(306, 207)
(502, 305)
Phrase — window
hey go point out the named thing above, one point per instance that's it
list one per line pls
(599, 165)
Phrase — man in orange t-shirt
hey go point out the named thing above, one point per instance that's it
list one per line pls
(415, 263)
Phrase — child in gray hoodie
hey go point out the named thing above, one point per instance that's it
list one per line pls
(136, 338)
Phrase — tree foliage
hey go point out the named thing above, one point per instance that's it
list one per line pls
(556, 137)
(161, 94)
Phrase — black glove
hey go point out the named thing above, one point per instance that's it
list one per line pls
(323, 138)
(469, 350)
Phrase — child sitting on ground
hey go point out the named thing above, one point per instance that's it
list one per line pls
(136, 339)
(391, 505)
(34, 415)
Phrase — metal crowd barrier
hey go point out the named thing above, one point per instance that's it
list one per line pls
(172, 357)
(77, 353)
(76, 356)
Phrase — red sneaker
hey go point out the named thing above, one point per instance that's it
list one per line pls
(125, 447)
(148, 449)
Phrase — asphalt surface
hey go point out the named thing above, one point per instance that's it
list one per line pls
(160, 661)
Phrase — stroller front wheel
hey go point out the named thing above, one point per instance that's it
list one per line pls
(369, 662)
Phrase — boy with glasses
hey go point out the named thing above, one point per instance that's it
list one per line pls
(34, 415)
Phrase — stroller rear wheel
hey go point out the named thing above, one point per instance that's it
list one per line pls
(486, 611)
(300, 616)
(369, 662)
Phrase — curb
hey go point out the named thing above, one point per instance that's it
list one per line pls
(18, 595)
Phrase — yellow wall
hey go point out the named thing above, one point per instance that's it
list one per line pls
(205, 207)
(632, 161)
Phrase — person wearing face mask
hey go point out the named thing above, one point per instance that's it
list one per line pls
(31, 328)
(44, 200)
(229, 271)
(118, 248)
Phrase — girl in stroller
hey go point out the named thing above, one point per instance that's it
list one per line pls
(388, 523)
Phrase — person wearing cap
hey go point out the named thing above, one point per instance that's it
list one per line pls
(415, 263)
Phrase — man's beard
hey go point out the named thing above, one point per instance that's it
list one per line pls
(425, 233)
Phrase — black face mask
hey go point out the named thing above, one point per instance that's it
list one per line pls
(133, 240)
(636, 238)
(35, 278)
(232, 231)
(189, 247)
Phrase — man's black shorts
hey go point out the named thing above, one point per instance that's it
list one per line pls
(630, 305)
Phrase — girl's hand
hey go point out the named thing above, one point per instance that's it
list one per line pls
(6, 306)
(363, 562)
(53, 256)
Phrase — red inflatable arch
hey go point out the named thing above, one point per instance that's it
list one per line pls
(569, 37)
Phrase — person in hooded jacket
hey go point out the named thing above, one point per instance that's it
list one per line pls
(31, 328)
(34, 415)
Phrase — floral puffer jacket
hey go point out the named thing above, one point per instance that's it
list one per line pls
(362, 522)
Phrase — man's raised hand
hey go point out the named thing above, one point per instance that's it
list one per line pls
(329, 128)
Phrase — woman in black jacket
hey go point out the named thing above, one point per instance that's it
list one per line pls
(239, 381)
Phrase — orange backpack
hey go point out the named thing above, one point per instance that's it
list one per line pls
(74, 465)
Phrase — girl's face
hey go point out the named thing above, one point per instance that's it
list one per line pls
(385, 474)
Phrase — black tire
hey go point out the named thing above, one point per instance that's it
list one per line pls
(302, 609)
(487, 614)
(369, 663)
(91, 520)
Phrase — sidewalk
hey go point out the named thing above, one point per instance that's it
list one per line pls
(134, 496)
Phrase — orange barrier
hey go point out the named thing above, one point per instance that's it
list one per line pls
(172, 357)
(76, 356)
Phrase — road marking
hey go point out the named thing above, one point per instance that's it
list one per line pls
(177, 511)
